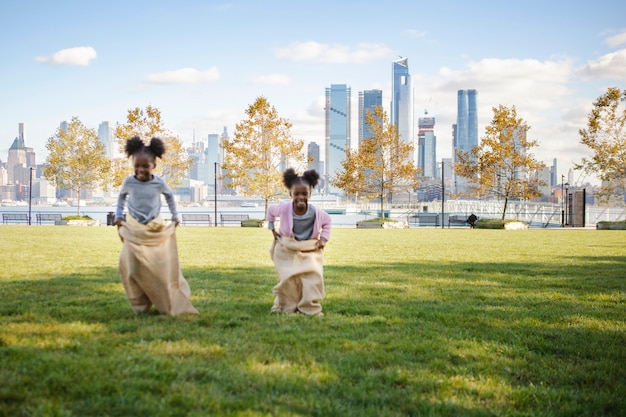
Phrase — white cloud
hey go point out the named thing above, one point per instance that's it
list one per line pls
(80, 56)
(333, 54)
(185, 76)
(272, 79)
(616, 40)
(611, 65)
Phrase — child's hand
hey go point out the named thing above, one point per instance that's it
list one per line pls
(176, 223)
(118, 222)
(276, 235)
(321, 243)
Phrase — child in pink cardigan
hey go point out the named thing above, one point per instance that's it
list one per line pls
(298, 246)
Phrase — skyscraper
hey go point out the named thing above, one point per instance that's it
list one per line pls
(337, 108)
(401, 100)
(20, 160)
(465, 130)
(313, 152)
(368, 100)
(427, 147)
(106, 136)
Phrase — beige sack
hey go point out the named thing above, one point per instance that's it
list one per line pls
(300, 269)
(150, 269)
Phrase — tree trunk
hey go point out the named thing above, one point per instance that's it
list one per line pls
(382, 204)
(265, 211)
(506, 202)
(78, 203)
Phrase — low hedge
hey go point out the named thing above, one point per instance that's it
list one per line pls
(74, 217)
(492, 223)
(605, 225)
(252, 223)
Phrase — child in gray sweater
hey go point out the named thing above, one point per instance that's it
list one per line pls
(142, 192)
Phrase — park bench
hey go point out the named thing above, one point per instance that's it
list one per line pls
(48, 217)
(14, 218)
(457, 220)
(426, 219)
(233, 218)
(196, 218)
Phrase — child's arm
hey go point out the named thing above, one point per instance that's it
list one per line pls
(171, 202)
(272, 214)
(121, 201)
(326, 223)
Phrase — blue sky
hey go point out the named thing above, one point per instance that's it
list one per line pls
(202, 63)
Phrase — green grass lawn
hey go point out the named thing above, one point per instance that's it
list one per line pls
(428, 322)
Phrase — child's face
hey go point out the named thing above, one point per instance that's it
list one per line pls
(144, 164)
(300, 194)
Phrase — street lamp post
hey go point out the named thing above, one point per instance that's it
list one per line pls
(562, 197)
(30, 195)
(215, 194)
(567, 203)
(443, 192)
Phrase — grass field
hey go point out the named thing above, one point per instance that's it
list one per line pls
(428, 322)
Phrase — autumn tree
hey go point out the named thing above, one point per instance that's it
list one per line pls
(501, 165)
(381, 166)
(76, 159)
(147, 123)
(605, 136)
(261, 148)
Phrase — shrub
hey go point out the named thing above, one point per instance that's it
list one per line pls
(74, 217)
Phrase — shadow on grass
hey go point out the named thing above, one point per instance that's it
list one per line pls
(454, 338)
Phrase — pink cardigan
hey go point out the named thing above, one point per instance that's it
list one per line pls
(285, 212)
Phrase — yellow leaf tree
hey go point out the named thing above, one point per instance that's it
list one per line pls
(381, 166)
(147, 123)
(262, 147)
(502, 165)
(76, 159)
(605, 136)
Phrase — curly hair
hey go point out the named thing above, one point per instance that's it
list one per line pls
(135, 145)
(309, 177)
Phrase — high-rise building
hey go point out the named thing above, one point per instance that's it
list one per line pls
(212, 163)
(554, 178)
(337, 108)
(224, 181)
(313, 152)
(465, 130)
(20, 160)
(427, 147)
(401, 100)
(107, 137)
(368, 101)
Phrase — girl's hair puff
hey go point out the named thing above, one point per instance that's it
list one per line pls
(135, 145)
(156, 147)
(310, 177)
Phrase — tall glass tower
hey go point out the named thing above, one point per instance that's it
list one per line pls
(368, 100)
(337, 131)
(466, 132)
(427, 147)
(402, 100)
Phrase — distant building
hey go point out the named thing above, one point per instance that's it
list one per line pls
(313, 153)
(401, 114)
(20, 161)
(338, 99)
(427, 147)
(106, 135)
(465, 131)
(554, 177)
(368, 101)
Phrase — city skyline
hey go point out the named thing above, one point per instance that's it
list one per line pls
(203, 63)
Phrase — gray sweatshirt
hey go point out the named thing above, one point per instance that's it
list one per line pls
(144, 199)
